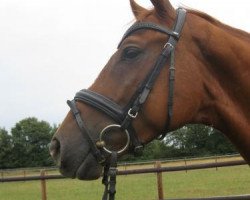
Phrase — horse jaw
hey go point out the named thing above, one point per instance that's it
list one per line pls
(90, 169)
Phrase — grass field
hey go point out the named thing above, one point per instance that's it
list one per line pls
(198, 183)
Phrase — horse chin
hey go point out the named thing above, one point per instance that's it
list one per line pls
(90, 169)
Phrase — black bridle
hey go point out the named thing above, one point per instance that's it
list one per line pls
(124, 116)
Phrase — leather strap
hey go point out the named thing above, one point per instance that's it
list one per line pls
(109, 178)
(150, 26)
(102, 103)
(181, 17)
(94, 150)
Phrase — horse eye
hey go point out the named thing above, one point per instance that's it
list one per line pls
(130, 53)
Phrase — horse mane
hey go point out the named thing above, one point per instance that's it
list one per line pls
(236, 32)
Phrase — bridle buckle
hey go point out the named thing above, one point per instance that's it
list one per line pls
(131, 114)
(168, 44)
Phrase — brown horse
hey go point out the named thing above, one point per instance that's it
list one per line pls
(212, 87)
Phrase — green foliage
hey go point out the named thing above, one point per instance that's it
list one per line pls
(6, 148)
(197, 140)
(31, 140)
(27, 145)
(189, 141)
(154, 150)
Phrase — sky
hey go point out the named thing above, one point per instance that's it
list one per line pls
(50, 49)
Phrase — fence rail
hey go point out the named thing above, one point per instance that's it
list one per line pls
(127, 164)
(158, 170)
(183, 159)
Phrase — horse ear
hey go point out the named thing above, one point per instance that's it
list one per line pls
(162, 7)
(136, 8)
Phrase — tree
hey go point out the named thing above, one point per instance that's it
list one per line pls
(219, 144)
(31, 140)
(197, 140)
(155, 150)
(5, 149)
(189, 141)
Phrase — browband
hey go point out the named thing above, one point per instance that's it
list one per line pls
(148, 25)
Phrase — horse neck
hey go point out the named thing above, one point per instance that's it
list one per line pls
(226, 73)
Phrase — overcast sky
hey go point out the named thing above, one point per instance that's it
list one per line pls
(50, 49)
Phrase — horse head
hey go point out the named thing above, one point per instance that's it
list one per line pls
(136, 97)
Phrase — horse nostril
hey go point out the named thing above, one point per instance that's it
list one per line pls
(54, 148)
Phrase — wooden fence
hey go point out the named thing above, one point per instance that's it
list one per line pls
(158, 169)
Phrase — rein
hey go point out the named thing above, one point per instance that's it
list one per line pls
(125, 116)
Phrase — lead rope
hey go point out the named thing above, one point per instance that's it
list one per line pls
(109, 178)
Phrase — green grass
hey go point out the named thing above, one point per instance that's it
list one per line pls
(205, 183)
(198, 183)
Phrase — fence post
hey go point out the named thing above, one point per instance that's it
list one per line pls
(43, 186)
(186, 165)
(159, 181)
